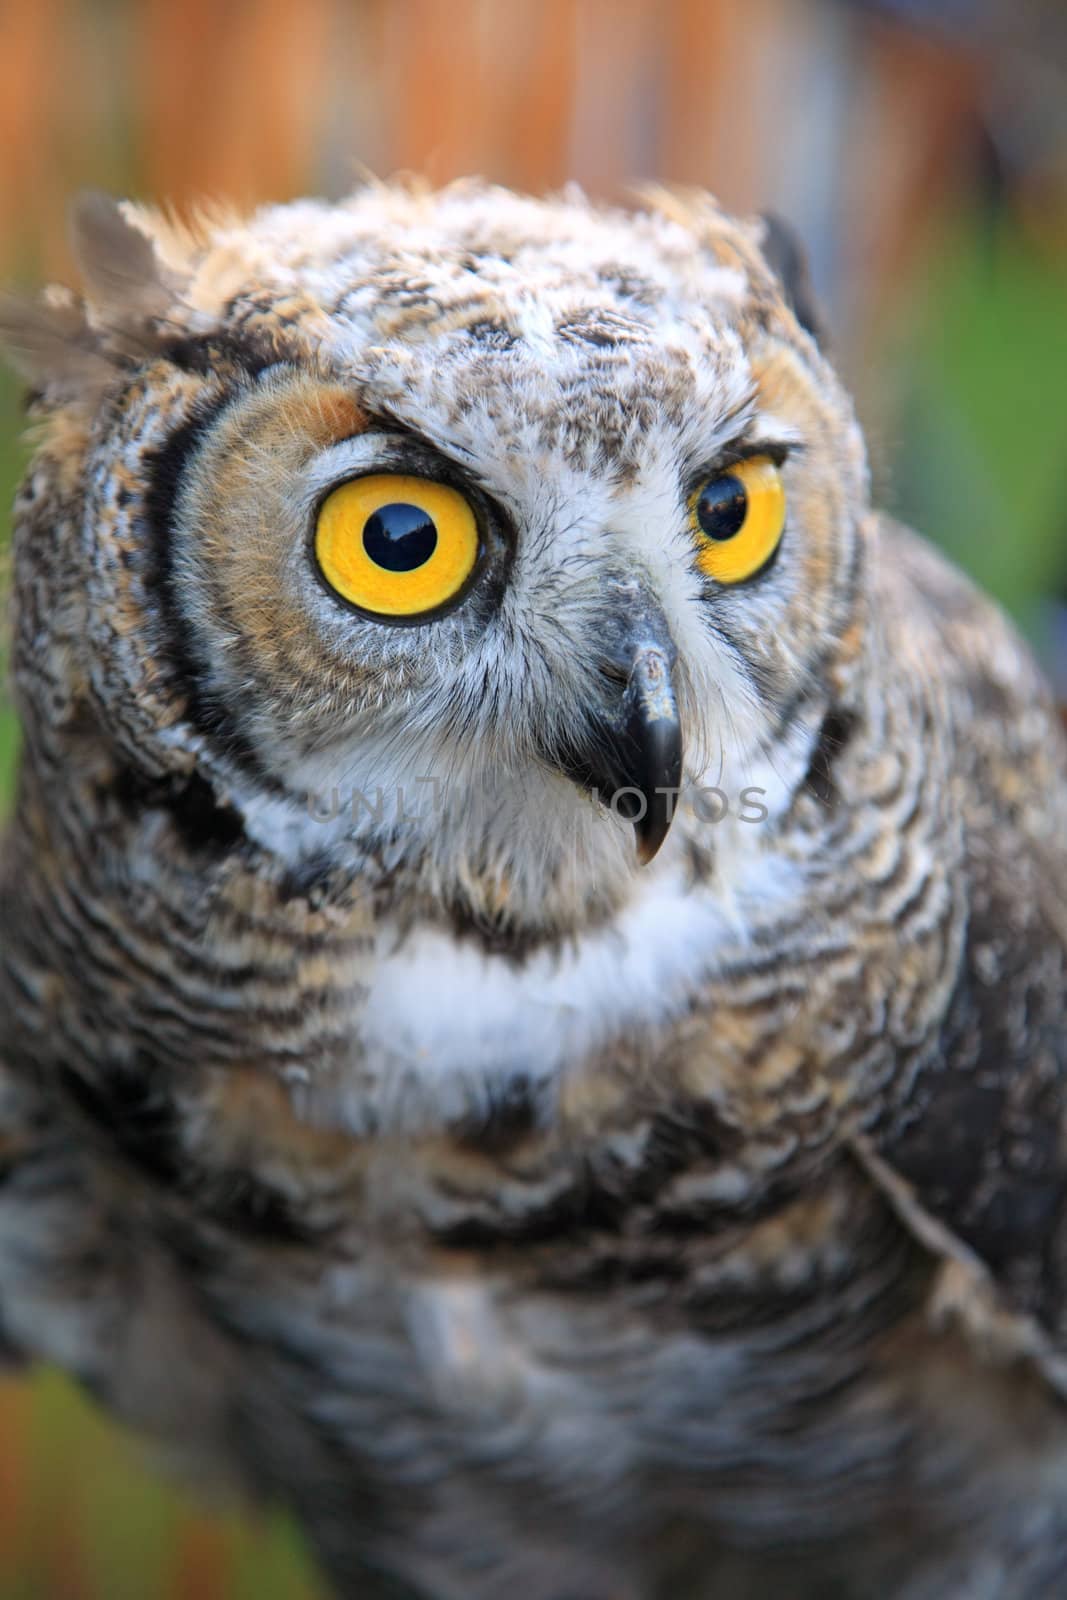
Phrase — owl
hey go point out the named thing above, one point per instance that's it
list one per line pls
(533, 960)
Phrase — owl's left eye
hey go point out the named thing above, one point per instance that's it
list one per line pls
(396, 546)
(737, 520)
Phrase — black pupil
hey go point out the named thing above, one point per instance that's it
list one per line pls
(721, 508)
(399, 537)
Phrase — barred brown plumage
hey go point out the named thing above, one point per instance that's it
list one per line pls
(530, 1219)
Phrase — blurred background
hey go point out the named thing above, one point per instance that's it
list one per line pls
(918, 147)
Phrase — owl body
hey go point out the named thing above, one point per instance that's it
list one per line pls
(562, 1085)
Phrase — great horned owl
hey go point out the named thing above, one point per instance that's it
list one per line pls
(534, 930)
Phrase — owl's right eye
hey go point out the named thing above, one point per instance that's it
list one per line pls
(397, 546)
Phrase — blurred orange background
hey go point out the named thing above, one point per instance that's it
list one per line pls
(854, 121)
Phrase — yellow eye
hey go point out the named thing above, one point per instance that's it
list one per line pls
(396, 546)
(738, 519)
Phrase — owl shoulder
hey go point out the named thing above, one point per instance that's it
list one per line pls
(978, 1162)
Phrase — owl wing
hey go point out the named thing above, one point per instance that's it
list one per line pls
(53, 1256)
(978, 1167)
(12, 1158)
(87, 1284)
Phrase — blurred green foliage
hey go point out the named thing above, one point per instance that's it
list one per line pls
(87, 1515)
(977, 462)
(980, 463)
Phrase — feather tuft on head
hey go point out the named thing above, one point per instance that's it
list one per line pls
(125, 283)
(70, 347)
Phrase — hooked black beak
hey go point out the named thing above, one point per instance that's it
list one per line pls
(629, 755)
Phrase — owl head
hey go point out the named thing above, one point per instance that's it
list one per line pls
(453, 539)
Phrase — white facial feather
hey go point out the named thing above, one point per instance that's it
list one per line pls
(445, 1019)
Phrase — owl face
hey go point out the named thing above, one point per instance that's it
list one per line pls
(462, 534)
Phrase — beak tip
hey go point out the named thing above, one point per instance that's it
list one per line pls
(650, 841)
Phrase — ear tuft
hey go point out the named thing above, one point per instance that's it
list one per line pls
(125, 284)
(51, 345)
(785, 255)
(69, 348)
